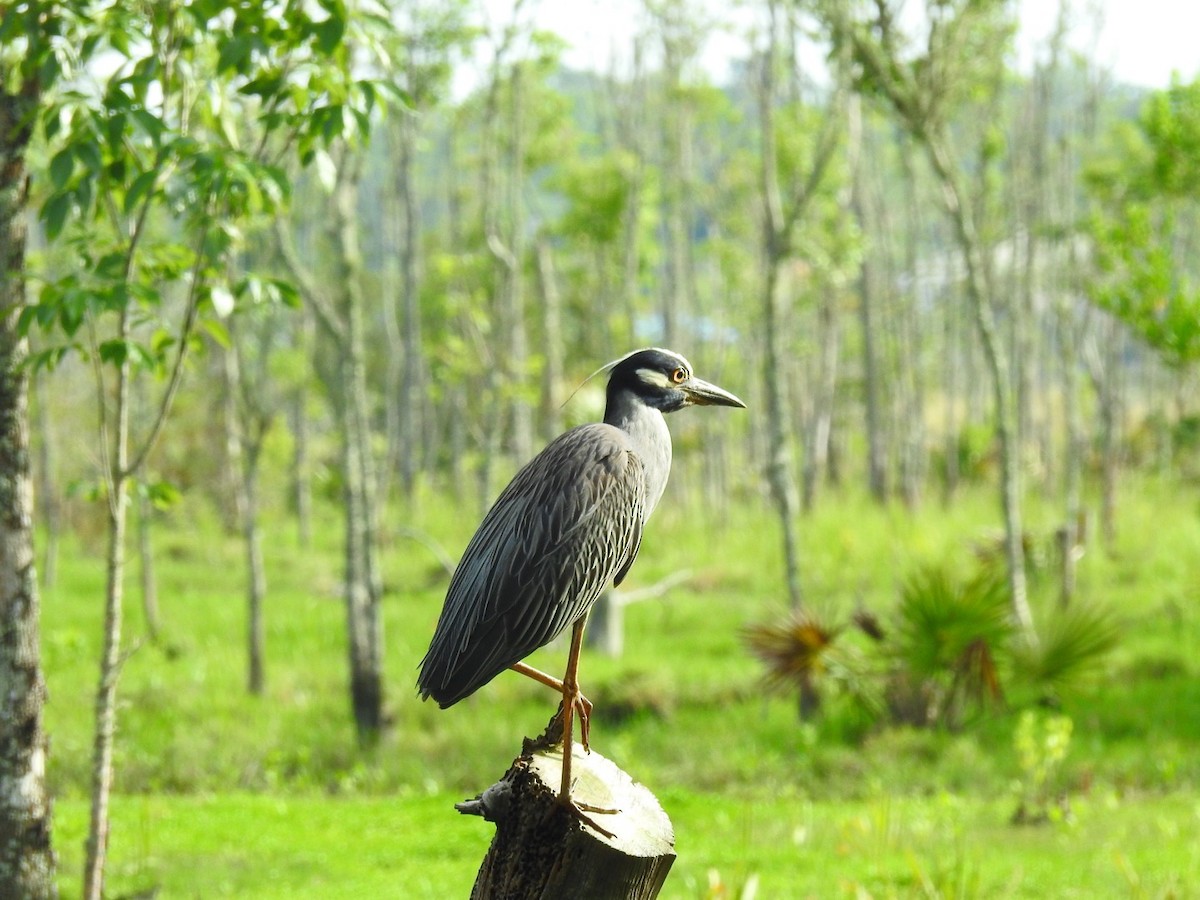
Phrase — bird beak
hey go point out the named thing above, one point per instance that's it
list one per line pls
(701, 393)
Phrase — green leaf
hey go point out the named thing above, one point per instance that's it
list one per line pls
(329, 34)
(26, 320)
(152, 125)
(114, 352)
(218, 332)
(265, 86)
(50, 357)
(162, 494)
(142, 185)
(61, 167)
(234, 53)
(88, 153)
(54, 213)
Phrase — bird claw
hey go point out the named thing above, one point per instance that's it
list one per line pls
(583, 708)
(580, 811)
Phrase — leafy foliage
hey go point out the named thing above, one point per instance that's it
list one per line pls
(949, 636)
(1041, 742)
(1144, 224)
(1072, 643)
(152, 184)
(810, 655)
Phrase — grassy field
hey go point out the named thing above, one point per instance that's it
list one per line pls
(223, 795)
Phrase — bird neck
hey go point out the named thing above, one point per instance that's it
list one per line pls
(651, 439)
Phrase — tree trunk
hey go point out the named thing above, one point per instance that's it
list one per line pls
(517, 342)
(243, 453)
(876, 463)
(542, 851)
(256, 575)
(1001, 373)
(779, 436)
(26, 856)
(1108, 387)
(342, 321)
(951, 380)
(110, 657)
(633, 132)
(820, 430)
(363, 586)
(46, 493)
(412, 396)
(552, 342)
(300, 470)
(148, 578)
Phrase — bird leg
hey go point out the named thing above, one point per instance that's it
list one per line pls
(573, 704)
(583, 706)
(571, 695)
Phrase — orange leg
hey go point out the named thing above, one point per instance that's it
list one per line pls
(571, 698)
(573, 703)
(583, 706)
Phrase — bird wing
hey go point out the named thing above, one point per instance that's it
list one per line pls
(568, 524)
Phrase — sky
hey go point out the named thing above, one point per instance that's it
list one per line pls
(1142, 41)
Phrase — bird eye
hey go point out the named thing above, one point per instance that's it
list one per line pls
(680, 375)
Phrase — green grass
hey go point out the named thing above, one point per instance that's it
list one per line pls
(944, 845)
(222, 794)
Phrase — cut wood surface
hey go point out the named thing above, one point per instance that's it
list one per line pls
(543, 850)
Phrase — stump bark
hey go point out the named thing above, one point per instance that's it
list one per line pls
(543, 850)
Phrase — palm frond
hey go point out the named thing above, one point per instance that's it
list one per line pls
(793, 650)
(1071, 643)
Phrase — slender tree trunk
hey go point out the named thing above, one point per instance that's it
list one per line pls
(412, 396)
(26, 856)
(1001, 374)
(48, 503)
(820, 430)
(256, 678)
(517, 355)
(363, 587)
(780, 465)
(245, 443)
(148, 578)
(876, 464)
(110, 656)
(491, 201)
(632, 128)
(301, 486)
(300, 469)
(951, 379)
(1073, 456)
(342, 319)
(1108, 386)
(552, 342)
(674, 299)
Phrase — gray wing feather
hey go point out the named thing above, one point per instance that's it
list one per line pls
(567, 525)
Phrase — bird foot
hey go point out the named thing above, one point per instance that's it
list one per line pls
(583, 709)
(553, 733)
(580, 811)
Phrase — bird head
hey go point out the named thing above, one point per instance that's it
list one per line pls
(664, 380)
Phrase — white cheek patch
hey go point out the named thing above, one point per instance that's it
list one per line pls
(654, 378)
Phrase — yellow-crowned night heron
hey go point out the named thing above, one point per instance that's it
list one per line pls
(568, 524)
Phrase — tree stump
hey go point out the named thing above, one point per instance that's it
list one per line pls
(543, 850)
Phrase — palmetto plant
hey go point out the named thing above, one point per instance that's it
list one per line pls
(949, 634)
(1071, 644)
(810, 654)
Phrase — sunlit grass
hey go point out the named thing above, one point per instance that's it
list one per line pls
(263, 847)
(753, 792)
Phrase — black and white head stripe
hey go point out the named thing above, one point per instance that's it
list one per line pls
(663, 361)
